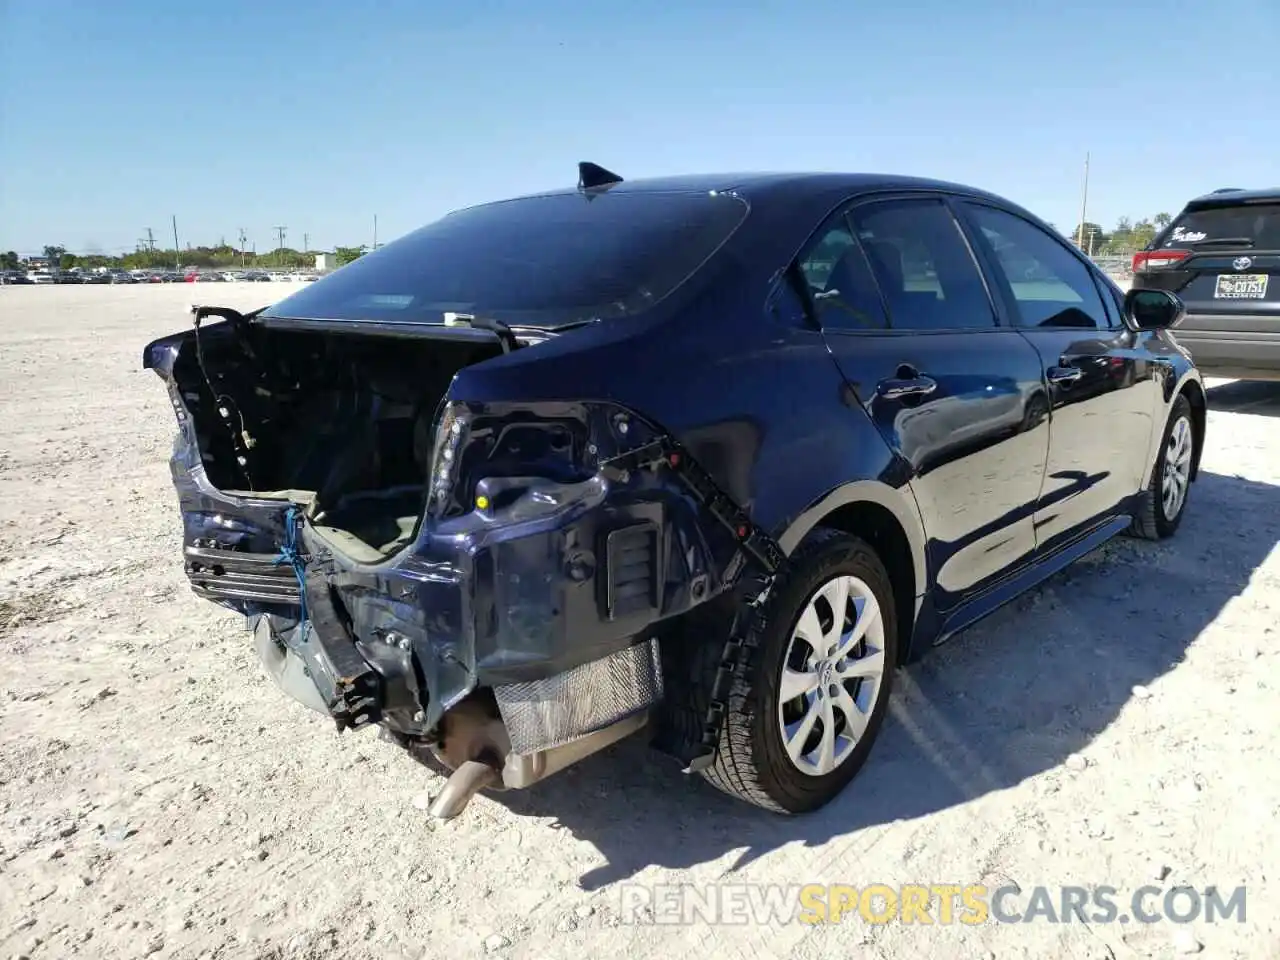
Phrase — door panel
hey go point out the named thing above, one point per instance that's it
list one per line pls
(1100, 427)
(1102, 395)
(975, 444)
(959, 401)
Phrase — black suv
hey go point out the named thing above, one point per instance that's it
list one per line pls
(1221, 255)
(709, 456)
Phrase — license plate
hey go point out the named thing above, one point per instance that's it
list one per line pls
(1241, 286)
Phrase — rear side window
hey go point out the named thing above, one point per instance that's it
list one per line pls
(540, 261)
(1050, 287)
(925, 270)
(841, 288)
(1248, 225)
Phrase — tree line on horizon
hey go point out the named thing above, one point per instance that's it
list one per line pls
(1125, 238)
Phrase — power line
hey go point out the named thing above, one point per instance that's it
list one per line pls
(177, 248)
(1084, 203)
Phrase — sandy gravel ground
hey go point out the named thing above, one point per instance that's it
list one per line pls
(158, 797)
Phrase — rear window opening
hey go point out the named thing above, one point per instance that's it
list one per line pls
(538, 261)
(1253, 226)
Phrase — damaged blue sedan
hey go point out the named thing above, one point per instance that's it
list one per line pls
(704, 457)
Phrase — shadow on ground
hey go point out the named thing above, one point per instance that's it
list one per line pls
(1246, 396)
(1010, 698)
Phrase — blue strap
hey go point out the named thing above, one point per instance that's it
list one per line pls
(290, 554)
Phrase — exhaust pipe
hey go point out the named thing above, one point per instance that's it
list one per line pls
(464, 783)
(520, 770)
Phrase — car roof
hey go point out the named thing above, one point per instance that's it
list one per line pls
(1230, 197)
(791, 186)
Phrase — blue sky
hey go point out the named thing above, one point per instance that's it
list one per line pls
(319, 115)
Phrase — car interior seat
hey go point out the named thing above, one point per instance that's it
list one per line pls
(923, 306)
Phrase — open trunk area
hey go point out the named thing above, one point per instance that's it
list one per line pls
(340, 423)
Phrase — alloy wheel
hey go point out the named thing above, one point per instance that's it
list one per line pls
(831, 675)
(1177, 468)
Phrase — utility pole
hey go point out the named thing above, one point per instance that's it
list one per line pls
(1084, 204)
(242, 239)
(151, 241)
(280, 249)
(306, 244)
(177, 250)
(375, 231)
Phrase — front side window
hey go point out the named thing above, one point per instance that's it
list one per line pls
(1050, 287)
(841, 287)
(539, 261)
(925, 270)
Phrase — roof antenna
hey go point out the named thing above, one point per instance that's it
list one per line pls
(592, 175)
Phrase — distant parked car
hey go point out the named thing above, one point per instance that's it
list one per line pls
(1221, 255)
(69, 278)
(40, 276)
(13, 278)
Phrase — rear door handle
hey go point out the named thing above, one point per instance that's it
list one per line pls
(894, 389)
(1065, 375)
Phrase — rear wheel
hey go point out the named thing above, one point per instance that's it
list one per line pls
(1166, 499)
(805, 711)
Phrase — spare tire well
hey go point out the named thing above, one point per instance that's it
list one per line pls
(880, 528)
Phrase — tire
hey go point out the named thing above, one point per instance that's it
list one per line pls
(752, 761)
(1154, 521)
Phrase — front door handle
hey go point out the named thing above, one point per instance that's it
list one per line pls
(895, 389)
(1064, 375)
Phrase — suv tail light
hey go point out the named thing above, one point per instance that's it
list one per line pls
(1151, 259)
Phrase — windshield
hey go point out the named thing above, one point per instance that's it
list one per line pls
(539, 261)
(1256, 225)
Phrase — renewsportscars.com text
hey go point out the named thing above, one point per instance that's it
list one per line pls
(925, 904)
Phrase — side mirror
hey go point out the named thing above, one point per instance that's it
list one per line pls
(1153, 309)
